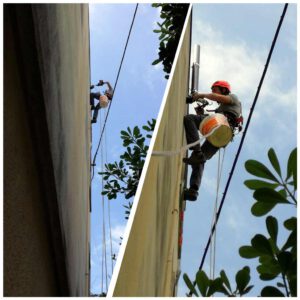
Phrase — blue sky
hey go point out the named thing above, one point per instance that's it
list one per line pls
(136, 100)
(235, 40)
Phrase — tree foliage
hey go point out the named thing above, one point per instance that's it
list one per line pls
(122, 177)
(275, 262)
(170, 29)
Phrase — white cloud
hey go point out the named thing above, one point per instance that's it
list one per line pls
(117, 232)
(239, 64)
(99, 16)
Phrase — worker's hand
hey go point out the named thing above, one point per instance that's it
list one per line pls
(197, 96)
(101, 82)
(189, 99)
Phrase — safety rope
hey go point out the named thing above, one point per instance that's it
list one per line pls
(114, 89)
(214, 243)
(102, 247)
(110, 239)
(108, 207)
(104, 255)
(186, 147)
(242, 140)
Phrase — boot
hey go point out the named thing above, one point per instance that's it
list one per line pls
(190, 194)
(196, 158)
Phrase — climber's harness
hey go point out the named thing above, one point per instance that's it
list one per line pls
(236, 123)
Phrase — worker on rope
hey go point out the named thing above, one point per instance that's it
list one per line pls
(230, 106)
(103, 99)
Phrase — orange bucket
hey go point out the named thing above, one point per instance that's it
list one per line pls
(103, 101)
(217, 125)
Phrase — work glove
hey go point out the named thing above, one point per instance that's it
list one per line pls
(189, 99)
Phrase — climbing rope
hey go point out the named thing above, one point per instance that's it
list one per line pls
(114, 89)
(242, 140)
(108, 208)
(214, 243)
(104, 257)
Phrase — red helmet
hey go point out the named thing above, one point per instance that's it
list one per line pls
(222, 83)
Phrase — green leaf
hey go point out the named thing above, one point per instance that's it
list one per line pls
(258, 169)
(274, 161)
(293, 286)
(247, 289)
(290, 224)
(291, 241)
(279, 284)
(202, 282)
(272, 269)
(125, 134)
(272, 226)
(225, 279)
(283, 193)
(271, 291)
(248, 252)
(267, 195)
(190, 284)
(266, 259)
(267, 277)
(292, 164)
(242, 278)
(261, 244)
(260, 208)
(146, 128)
(285, 261)
(136, 131)
(216, 285)
(157, 61)
(254, 184)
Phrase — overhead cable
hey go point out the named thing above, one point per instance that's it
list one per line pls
(115, 86)
(242, 140)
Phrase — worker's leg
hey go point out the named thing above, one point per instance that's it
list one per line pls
(95, 115)
(191, 125)
(94, 96)
(208, 151)
(196, 176)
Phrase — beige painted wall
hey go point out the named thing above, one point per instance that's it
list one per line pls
(150, 263)
(66, 81)
(61, 38)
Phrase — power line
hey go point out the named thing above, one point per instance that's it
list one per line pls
(242, 140)
(115, 86)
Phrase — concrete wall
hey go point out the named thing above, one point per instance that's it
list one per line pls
(46, 150)
(151, 260)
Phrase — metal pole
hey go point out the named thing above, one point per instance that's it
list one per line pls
(196, 68)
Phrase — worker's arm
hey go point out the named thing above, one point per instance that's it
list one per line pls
(109, 87)
(214, 97)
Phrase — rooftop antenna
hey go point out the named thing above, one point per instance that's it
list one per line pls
(196, 69)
